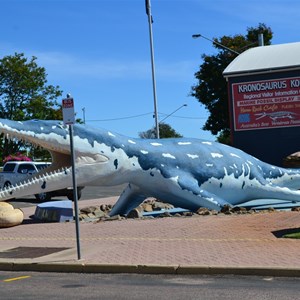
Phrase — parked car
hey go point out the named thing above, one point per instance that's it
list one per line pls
(16, 171)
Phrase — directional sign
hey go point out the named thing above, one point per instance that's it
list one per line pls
(68, 111)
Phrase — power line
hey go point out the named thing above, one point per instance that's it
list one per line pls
(121, 118)
(183, 117)
(142, 115)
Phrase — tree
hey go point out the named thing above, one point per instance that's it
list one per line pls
(165, 131)
(211, 88)
(25, 94)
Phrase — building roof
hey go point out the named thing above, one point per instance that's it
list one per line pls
(265, 59)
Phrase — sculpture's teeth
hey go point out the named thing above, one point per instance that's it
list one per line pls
(36, 185)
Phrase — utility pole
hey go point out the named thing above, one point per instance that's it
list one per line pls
(150, 21)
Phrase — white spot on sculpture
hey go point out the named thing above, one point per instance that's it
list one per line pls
(111, 134)
(193, 156)
(216, 155)
(168, 155)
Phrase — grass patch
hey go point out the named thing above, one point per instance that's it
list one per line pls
(295, 235)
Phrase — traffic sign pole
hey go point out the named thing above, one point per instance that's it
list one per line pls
(69, 119)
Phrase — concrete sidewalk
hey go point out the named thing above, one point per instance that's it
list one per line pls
(222, 244)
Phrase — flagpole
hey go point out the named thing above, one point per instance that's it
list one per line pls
(150, 21)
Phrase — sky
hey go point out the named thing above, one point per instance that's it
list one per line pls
(99, 52)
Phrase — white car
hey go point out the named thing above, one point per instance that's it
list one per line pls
(16, 171)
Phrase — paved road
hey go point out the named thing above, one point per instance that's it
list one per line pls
(101, 192)
(87, 193)
(31, 285)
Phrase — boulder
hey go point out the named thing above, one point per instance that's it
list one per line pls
(9, 216)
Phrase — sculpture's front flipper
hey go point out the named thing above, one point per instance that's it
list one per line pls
(191, 196)
(130, 198)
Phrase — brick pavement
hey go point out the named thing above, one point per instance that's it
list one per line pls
(170, 244)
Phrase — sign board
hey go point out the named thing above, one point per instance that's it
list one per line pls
(266, 104)
(68, 111)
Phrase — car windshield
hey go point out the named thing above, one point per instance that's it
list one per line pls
(9, 167)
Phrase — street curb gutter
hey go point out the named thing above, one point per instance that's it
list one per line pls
(150, 269)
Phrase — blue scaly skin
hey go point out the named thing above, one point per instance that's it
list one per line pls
(187, 173)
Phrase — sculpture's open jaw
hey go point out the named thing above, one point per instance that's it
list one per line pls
(53, 136)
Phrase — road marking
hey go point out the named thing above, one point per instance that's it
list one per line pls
(16, 278)
(90, 239)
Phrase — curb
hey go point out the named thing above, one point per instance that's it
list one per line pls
(149, 269)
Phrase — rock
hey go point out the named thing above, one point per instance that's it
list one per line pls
(88, 209)
(4, 206)
(9, 216)
(166, 214)
(147, 207)
(134, 214)
(225, 209)
(239, 209)
(99, 213)
(113, 218)
(203, 211)
(93, 213)
(104, 207)
(177, 215)
(296, 208)
(161, 205)
(82, 217)
(188, 214)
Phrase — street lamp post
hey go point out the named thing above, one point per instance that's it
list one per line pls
(150, 21)
(183, 105)
(198, 35)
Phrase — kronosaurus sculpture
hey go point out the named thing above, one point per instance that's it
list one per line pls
(187, 173)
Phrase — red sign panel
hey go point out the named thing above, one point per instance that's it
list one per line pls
(266, 104)
(68, 111)
(68, 103)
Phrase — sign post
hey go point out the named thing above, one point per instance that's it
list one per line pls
(69, 119)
